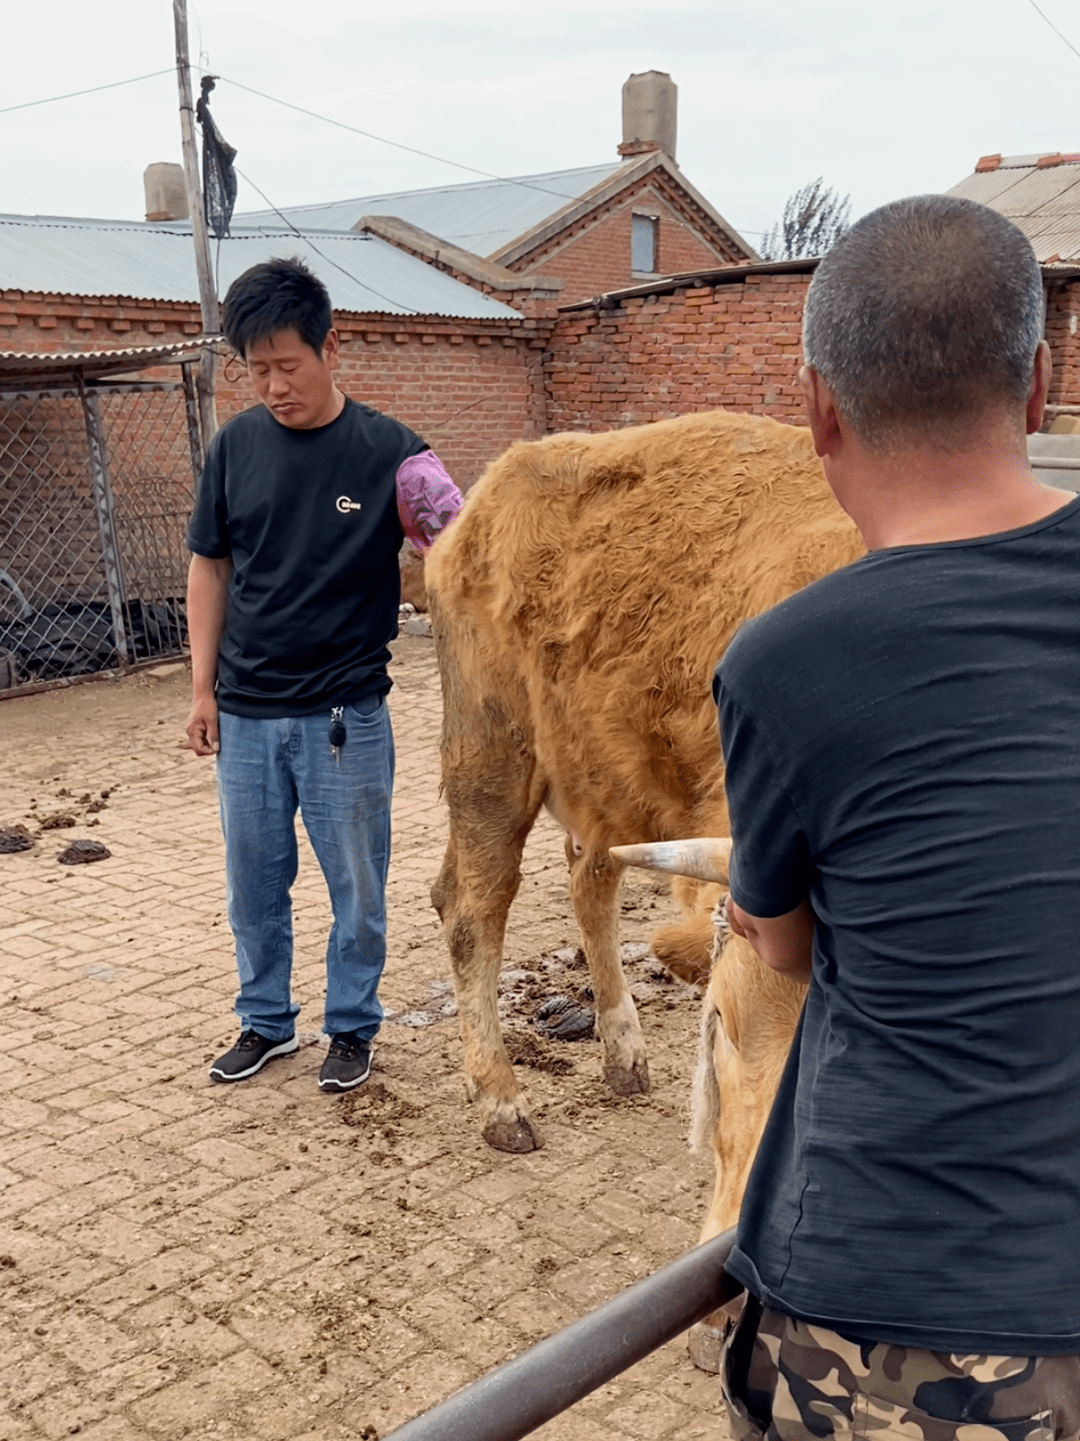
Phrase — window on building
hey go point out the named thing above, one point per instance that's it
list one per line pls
(644, 231)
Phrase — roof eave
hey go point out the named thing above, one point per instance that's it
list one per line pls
(694, 279)
(404, 235)
(68, 365)
(1065, 270)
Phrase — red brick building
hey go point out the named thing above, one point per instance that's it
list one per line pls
(592, 230)
(476, 352)
(471, 386)
(447, 299)
(473, 350)
(446, 357)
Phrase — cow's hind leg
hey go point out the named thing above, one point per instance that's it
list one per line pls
(594, 886)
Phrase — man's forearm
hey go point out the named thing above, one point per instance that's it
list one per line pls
(207, 600)
(786, 943)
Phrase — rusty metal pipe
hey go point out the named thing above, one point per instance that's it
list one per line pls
(551, 1376)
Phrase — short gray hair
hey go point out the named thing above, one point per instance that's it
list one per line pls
(923, 314)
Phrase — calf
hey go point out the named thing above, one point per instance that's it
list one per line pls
(580, 602)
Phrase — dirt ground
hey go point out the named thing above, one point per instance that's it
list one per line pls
(180, 1258)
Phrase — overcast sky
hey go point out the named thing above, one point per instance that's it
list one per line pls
(881, 99)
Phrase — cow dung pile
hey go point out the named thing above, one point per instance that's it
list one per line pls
(565, 1019)
(82, 852)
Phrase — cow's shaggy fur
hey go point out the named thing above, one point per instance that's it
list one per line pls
(580, 602)
(748, 1018)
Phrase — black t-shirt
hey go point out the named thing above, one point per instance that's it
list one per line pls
(310, 520)
(902, 743)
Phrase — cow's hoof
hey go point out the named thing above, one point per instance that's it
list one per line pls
(518, 1136)
(704, 1344)
(628, 1080)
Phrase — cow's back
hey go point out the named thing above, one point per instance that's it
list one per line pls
(600, 577)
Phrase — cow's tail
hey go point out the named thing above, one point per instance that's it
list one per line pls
(705, 1095)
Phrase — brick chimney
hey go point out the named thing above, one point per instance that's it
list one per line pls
(166, 194)
(649, 107)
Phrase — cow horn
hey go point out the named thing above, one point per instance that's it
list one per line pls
(704, 858)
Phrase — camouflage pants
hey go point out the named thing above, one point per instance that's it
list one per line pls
(786, 1380)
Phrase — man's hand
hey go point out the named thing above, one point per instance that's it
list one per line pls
(202, 727)
(786, 943)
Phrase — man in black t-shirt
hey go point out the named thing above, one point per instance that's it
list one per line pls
(292, 599)
(902, 748)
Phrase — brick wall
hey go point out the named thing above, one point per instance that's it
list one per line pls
(49, 323)
(594, 256)
(1063, 333)
(734, 345)
(470, 388)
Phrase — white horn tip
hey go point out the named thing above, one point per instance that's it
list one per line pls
(703, 858)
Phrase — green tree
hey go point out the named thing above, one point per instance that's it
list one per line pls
(815, 217)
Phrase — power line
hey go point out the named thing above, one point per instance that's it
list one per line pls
(314, 115)
(308, 241)
(412, 149)
(134, 79)
(1054, 28)
(73, 94)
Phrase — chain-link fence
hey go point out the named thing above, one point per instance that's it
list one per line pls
(96, 485)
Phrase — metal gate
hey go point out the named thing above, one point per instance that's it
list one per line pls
(521, 1395)
(96, 486)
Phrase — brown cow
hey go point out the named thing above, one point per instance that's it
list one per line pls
(580, 602)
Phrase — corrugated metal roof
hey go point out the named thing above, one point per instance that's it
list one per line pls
(38, 364)
(1057, 236)
(481, 215)
(1043, 201)
(986, 187)
(1036, 193)
(363, 274)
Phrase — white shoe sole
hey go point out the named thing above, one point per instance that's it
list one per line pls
(332, 1087)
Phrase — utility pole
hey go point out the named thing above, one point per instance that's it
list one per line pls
(208, 302)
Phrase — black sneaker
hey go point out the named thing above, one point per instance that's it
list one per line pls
(347, 1064)
(249, 1055)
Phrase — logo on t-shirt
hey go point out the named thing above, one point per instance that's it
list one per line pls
(344, 504)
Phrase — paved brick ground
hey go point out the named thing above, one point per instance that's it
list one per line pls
(258, 1260)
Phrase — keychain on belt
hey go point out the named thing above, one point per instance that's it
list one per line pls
(338, 733)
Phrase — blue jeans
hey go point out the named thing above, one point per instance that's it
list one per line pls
(265, 770)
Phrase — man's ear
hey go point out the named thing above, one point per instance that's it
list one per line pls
(1041, 372)
(820, 411)
(330, 351)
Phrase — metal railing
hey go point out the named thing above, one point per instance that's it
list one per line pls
(557, 1372)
